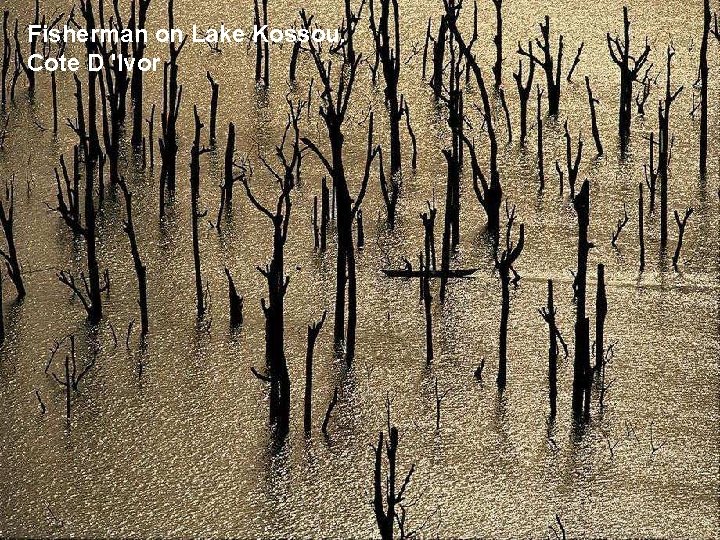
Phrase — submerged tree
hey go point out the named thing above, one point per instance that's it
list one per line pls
(497, 39)
(524, 89)
(135, 23)
(704, 71)
(554, 336)
(551, 66)
(630, 67)
(7, 220)
(504, 261)
(388, 51)
(195, 152)
(333, 111)
(172, 97)
(581, 369)
(140, 269)
(490, 195)
(312, 335)
(274, 272)
(388, 492)
(664, 144)
(68, 199)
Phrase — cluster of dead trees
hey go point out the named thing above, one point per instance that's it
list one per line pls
(450, 67)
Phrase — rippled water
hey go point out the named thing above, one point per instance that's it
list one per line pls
(185, 449)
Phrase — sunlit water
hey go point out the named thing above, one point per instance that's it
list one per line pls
(186, 450)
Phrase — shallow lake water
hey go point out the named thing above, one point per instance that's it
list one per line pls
(185, 449)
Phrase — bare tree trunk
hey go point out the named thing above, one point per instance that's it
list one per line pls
(581, 202)
(236, 302)
(214, 91)
(540, 152)
(497, 39)
(195, 154)
(524, 94)
(136, 82)
(600, 314)
(11, 258)
(664, 148)
(641, 233)
(5, 59)
(622, 56)
(593, 118)
(140, 269)
(548, 63)
(704, 71)
(681, 223)
(313, 331)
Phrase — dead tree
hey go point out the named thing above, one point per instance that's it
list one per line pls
(388, 51)
(140, 269)
(114, 83)
(642, 96)
(620, 225)
(600, 314)
(172, 97)
(72, 378)
(333, 110)
(388, 496)
(436, 80)
(504, 262)
(490, 195)
(551, 66)
(68, 204)
(274, 272)
(540, 152)
(229, 175)
(292, 70)
(236, 302)
(524, 93)
(428, 37)
(7, 48)
(581, 369)
(214, 91)
(262, 47)
(664, 147)
(347, 31)
(195, 153)
(630, 67)
(593, 117)
(428, 219)
(704, 71)
(497, 40)
(313, 331)
(651, 173)
(453, 157)
(681, 223)
(548, 314)
(7, 219)
(230, 166)
(20, 60)
(135, 23)
(575, 62)
(325, 214)
(641, 226)
(572, 165)
(427, 304)
(503, 102)
(438, 401)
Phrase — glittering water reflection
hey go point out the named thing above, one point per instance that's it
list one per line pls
(185, 449)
